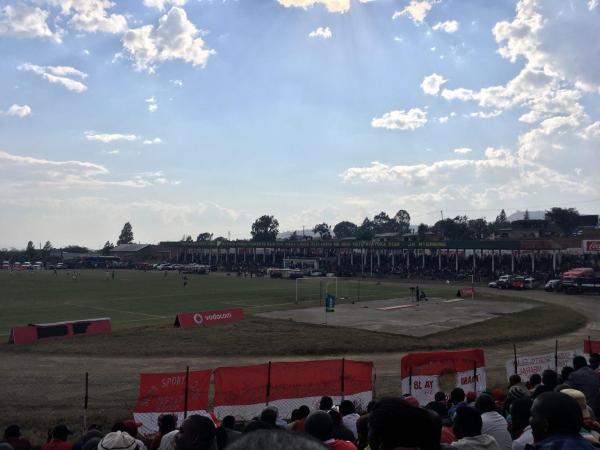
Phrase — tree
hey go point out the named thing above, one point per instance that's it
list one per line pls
(108, 246)
(75, 249)
(382, 223)
(293, 236)
(402, 221)
(454, 229)
(126, 236)
(186, 238)
(30, 251)
(265, 228)
(204, 237)
(566, 219)
(479, 229)
(366, 231)
(323, 230)
(501, 218)
(46, 250)
(344, 229)
(421, 230)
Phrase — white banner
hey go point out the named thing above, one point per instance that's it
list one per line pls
(424, 387)
(528, 365)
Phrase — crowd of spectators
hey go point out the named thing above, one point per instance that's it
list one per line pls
(550, 411)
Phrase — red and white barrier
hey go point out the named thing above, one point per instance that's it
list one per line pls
(206, 318)
(28, 334)
(425, 373)
(162, 393)
(245, 391)
(528, 365)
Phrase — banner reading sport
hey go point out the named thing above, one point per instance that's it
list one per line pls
(425, 373)
(162, 393)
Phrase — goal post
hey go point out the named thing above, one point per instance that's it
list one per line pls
(313, 288)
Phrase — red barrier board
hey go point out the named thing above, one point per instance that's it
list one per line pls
(425, 373)
(591, 346)
(166, 393)
(205, 318)
(245, 391)
(465, 292)
(28, 334)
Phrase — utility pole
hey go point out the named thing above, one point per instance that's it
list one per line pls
(442, 214)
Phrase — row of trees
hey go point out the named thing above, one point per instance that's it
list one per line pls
(266, 227)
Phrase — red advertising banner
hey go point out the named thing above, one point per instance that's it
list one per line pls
(28, 334)
(205, 318)
(591, 246)
(166, 393)
(245, 391)
(465, 292)
(591, 346)
(425, 373)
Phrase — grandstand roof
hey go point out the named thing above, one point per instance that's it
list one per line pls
(129, 248)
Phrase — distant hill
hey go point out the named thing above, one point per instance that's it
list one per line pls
(533, 215)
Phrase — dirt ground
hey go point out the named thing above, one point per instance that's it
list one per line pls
(39, 390)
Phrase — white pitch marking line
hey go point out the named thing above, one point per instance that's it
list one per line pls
(391, 308)
(154, 316)
(454, 300)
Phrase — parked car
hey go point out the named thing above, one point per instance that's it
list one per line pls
(581, 285)
(553, 285)
(513, 282)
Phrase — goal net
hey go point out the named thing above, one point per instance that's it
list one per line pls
(314, 289)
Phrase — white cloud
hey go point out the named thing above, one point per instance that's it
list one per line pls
(335, 6)
(113, 152)
(154, 141)
(560, 41)
(556, 47)
(62, 75)
(177, 83)
(463, 150)
(161, 4)
(43, 173)
(152, 105)
(24, 21)
(174, 38)
(108, 137)
(91, 15)
(432, 83)
(401, 120)
(19, 111)
(321, 32)
(486, 114)
(443, 119)
(432, 174)
(449, 26)
(416, 10)
(458, 94)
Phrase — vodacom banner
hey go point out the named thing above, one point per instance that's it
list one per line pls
(245, 391)
(204, 318)
(166, 393)
(424, 374)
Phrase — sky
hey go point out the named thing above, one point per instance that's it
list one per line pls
(190, 116)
